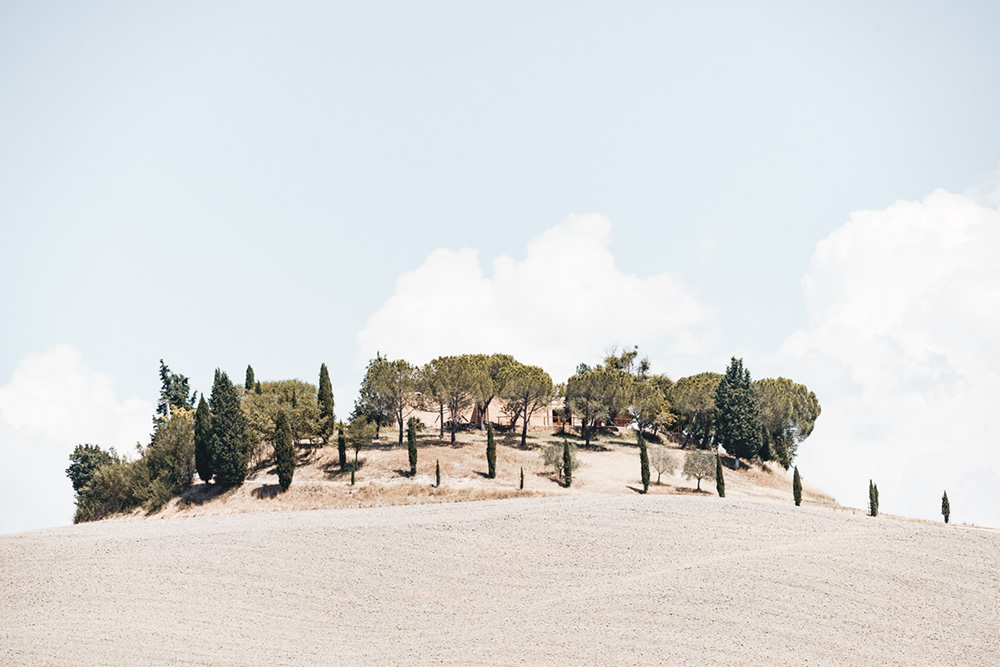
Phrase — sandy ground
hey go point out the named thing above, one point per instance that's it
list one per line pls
(576, 579)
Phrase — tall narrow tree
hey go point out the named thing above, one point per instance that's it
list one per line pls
(644, 464)
(230, 434)
(437, 473)
(203, 440)
(720, 481)
(411, 445)
(737, 426)
(284, 450)
(522, 478)
(249, 384)
(341, 448)
(797, 487)
(872, 499)
(945, 507)
(567, 464)
(491, 452)
(327, 420)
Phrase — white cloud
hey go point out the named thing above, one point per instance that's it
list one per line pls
(53, 402)
(904, 316)
(564, 303)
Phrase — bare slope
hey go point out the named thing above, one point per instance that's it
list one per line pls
(581, 579)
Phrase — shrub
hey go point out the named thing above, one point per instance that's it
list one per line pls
(553, 457)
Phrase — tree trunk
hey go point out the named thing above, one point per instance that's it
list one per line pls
(441, 418)
(399, 418)
(524, 428)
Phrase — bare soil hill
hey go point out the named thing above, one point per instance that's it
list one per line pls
(579, 579)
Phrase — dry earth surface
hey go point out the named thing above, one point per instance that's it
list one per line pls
(576, 579)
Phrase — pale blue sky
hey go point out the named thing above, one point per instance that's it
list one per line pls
(228, 183)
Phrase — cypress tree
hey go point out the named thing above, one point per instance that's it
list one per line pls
(437, 473)
(342, 448)
(411, 446)
(945, 507)
(876, 500)
(644, 464)
(737, 425)
(249, 384)
(325, 399)
(872, 499)
(284, 450)
(203, 440)
(797, 487)
(522, 478)
(230, 443)
(491, 452)
(257, 390)
(720, 481)
(354, 469)
(567, 464)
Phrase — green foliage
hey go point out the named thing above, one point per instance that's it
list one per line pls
(431, 386)
(175, 393)
(370, 404)
(391, 386)
(720, 480)
(945, 507)
(494, 366)
(699, 465)
(585, 398)
(737, 426)
(299, 400)
(249, 384)
(231, 439)
(567, 464)
(115, 487)
(661, 460)
(171, 455)
(327, 419)
(84, 462)
(644, 463)
(491, 453)
(692, 399)
(411, 445)
(354, 470)
(528, 388)
(360, 433)
(257, 388)
(341, 448)
(788, 413)
(646, 406)
(872, 499)
(797, 487)
(437, 472)
(284, 451)
(203, 440)
(554, 456)
(460, 381)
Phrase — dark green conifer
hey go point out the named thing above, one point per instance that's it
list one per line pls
(203, 440)
(257, 390)
(249, 384)
(522, 478)
(737, 424)
(354, 470)
(872, 499)
(230, 443)
(341, 448)
(325, 399)
(945, 507)
(411, 445)
(437, 473)
(644, 464)
(797, 487)
(284, 450)
(720, 481)
(491, 452)
(567, 464)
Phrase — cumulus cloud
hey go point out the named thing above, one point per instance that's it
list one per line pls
(900, 347)
(564, 303)
(53, 402)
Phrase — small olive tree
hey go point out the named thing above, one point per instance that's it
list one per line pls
(662, 461)
(553, 456)
(699, 465)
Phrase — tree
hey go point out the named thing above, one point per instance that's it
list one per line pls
(391, 386)
(584, 396)
(249, 383)
(493, 366)
(616, 391)
(567, 464)
(230, 442)
(341, 447)
(522, 478)
(175, 393)
(692, 398)
(788, 413)
(491, 453)
(646, 406)
(797, 487)
(257, 388)
(170, 456)
(461, 382)
(872, 499)
(720, 481)
(360, 433)
(327, 419)
(203, 440)
(662, 461)
(411, 445)
(431, 389)
(284, 451)
(554, 456)
(945, 507)
(84, 462)
(437, 473)
(370, 404)
(529, 388)
(699, 465)
(737, 426)
(644, 464)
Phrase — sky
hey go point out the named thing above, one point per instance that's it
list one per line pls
(814, 189)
